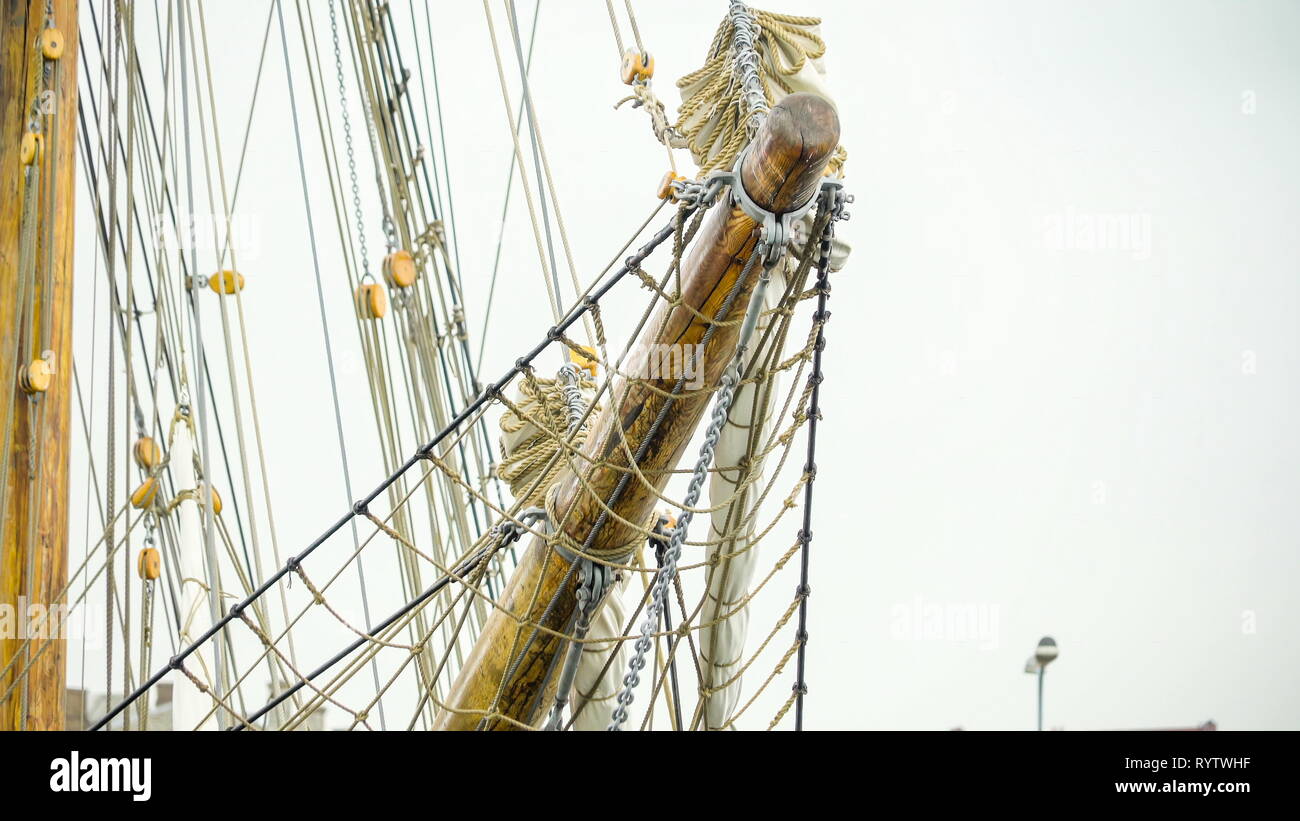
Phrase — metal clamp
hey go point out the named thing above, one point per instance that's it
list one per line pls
(508, 530)
(594, 580)
(775, 227)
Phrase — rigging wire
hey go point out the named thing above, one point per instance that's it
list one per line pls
(320, 295)
(493, 391)
(394, 132)
(527, 97)
(505, 205)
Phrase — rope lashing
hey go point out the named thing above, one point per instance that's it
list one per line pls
(643, 96)
(546, 414)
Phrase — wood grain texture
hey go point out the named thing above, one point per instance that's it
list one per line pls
(45, 556)
(782, 170)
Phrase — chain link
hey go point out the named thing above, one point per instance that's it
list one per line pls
(347, 140)
(571, 386)
(664, 579)
(744, 32)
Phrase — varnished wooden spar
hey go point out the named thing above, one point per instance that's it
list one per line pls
(45, 552)
(783, 169)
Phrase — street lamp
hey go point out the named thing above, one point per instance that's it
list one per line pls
(1043, 655)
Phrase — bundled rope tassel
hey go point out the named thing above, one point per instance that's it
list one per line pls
(714, 112)
(529, 450)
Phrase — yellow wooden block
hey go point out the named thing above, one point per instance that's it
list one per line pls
(636, 67)
(145, 494)
(147, 453)
(586, 363)
(399, 269)
(226, 282)
(149, 565)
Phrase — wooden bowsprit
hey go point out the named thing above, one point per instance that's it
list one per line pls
(781, 171)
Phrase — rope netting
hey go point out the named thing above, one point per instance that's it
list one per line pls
(749, 522)
(450, 520)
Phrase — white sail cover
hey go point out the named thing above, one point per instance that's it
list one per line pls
(609, 621)
(732, 562)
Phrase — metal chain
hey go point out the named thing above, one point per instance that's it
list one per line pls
(744, 31)
(347, 140)
(771, 249)
(721, 410)
(571, 387)
(594, 579)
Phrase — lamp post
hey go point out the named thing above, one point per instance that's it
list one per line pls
(1043, 655)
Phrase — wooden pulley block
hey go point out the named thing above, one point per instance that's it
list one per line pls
(147, 453)
(216, 500)
(372, 301)
(399, 269)
(586, 363)
(31, 148)
(226, 282)
(666, 191)
(144, 496)
(637, 67)
(36, 377)
(149, 564)
(51, 43)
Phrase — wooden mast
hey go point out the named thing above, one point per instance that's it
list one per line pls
(33, 547)
(782, 171)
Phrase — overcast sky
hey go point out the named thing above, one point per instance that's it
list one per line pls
(1060, 376)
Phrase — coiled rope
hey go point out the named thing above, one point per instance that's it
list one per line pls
(530, 465)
